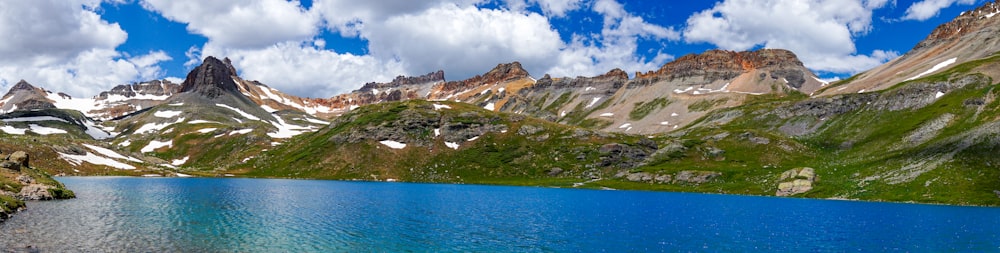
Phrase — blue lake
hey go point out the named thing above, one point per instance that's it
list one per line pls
(268, 215)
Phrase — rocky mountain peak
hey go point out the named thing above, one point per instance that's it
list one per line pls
(212, 79)
(967, 23)
(433, 77)
(615, 73)
(501, 73)
(22, 85)
(506, 71)
(723, 64)
(150, 88)
(24, 96)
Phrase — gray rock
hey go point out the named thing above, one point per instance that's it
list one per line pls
(528, 130)
(19, 157)
(10, 165)
(624, 156)
(35, 192)
(715, 152)
(662, 178)
(555, 171)
(25, 179)
(794, 187)
(695, 176)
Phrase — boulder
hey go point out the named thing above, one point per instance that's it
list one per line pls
(555, 171)
(19, 157)
(639, 177)
(794, 187)
(35, 192)
(25, 179)
(795, 181)
(10, 165)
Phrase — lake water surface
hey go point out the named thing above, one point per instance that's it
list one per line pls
(268, 215)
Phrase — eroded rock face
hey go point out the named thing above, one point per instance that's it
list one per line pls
(626, 156)
(501, 73)
(721, 64)
(151, 88)
(212, 79)
(796, 181)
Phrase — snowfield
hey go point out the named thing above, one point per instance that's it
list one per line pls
(167, 114)
(393, 144)
(96, 160)
(153, 145)
(937, 67)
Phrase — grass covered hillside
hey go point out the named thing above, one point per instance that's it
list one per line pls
(445, 142)
(928, 140)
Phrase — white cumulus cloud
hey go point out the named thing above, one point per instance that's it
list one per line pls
(64, 45)
(304, 70)
(412, 37)
(240, 24)
(820, 32)
(927, 9)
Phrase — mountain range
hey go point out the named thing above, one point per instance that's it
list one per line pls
(922, 127)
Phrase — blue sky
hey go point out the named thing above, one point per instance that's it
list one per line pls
(320, 48)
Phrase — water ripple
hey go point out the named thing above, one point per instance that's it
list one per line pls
(114, 214)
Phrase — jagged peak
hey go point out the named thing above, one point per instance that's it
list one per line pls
(22, 85)
(212, 78)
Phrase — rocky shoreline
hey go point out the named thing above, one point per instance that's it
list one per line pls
(20, 182)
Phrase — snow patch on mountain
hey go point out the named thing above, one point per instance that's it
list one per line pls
(393, 144)
(35, 119)
(91, 158)
(153, 145)
(111, 153)
(237, 110)
(937, 67)
(46, 130)
(13, 130)
(167, 114)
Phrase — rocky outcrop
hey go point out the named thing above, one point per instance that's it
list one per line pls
(212, 79)
(499, 74)
(15, 161)
(681, 177)
(796, 181)
(626, 156)
(155, 88)
(429, 78)
(36, 192)
(721, 65)
(696, 176)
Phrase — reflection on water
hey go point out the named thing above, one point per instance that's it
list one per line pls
(254, 215)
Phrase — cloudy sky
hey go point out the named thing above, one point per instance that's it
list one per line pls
(319, 48)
